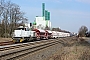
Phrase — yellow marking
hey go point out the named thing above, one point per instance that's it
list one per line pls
(21, 40)
(14, 41)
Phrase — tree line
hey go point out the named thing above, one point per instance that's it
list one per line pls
(11, 17)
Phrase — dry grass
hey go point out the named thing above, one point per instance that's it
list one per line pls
(73, 50)
(72, 53)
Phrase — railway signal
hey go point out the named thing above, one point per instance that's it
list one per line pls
(30, 24)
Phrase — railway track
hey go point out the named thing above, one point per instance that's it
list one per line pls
(6, 43)
(16, 51)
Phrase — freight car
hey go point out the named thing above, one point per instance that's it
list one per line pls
(56, 34)
(49, 34)
(41, 34)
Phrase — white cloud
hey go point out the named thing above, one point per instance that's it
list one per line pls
(54, 1)
(84, 1)
(57, 1)
(69, 0)
(70, 12)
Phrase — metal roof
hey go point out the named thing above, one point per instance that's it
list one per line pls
(40, 30)
(49, 31)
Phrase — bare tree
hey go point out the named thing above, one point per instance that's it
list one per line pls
(11, 15)
(87, 34)
(82, 31)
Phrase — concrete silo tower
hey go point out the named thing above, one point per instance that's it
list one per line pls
(45, 12)
(43, 9)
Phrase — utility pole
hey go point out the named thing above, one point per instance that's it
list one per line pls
(5, 19)
(5, 24)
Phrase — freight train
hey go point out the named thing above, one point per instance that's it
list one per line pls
(25, 34)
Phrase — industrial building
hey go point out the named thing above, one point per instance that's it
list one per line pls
(44, 20)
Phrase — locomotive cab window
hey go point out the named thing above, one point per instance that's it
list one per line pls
(20, 29)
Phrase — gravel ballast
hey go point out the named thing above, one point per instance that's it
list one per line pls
(42, 54)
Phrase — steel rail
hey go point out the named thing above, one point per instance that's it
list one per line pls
(18, 52)
(6, 43)
(13, 46)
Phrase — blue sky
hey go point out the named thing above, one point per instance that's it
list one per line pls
(69, 15)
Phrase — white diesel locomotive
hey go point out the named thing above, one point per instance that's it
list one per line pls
(25, 34)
